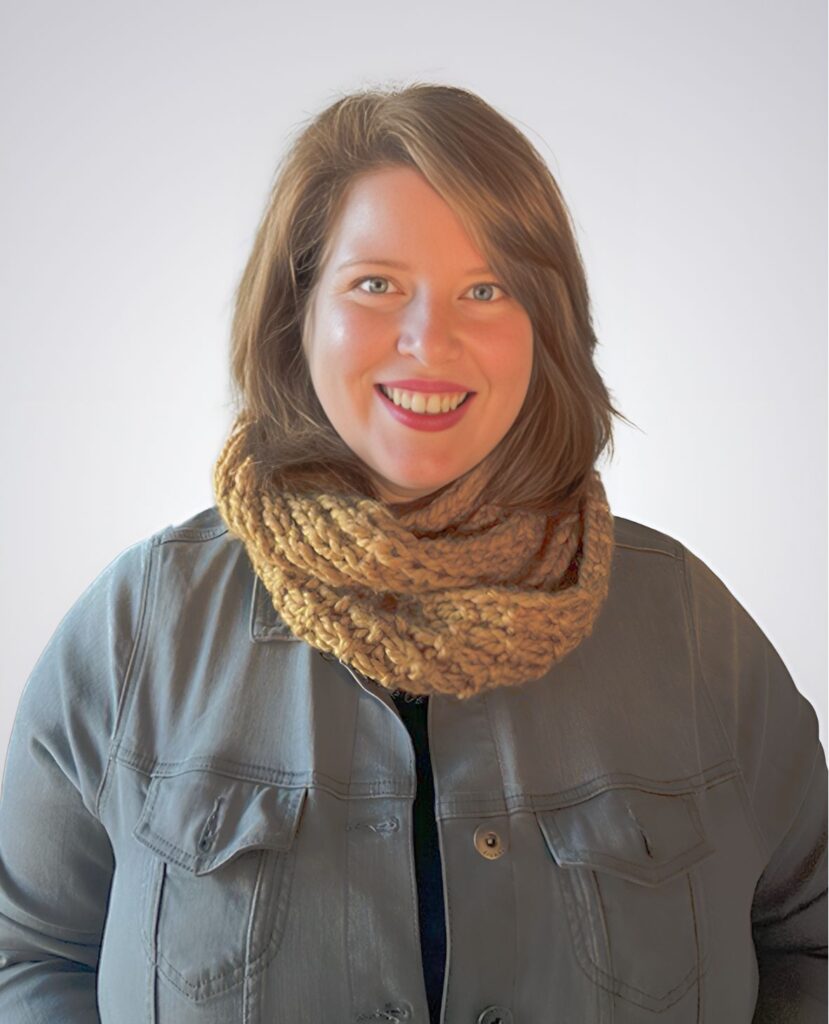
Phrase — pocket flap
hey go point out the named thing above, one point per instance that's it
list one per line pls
(201, 819)
(639, 835)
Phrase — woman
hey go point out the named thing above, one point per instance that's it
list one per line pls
(408, 726)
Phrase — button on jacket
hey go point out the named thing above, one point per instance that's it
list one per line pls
(204, 820)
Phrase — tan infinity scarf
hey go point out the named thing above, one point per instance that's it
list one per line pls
(454, 598)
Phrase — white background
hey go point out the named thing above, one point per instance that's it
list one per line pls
(690, 142)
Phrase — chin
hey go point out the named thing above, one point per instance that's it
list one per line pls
(407, 490)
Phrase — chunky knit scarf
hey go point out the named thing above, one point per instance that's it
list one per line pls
(457, 597)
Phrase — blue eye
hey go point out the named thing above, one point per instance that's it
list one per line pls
(372, 278)
(488, 284)
(375, 277)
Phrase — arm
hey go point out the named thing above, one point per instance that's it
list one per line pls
(56, 862)
(788, 915)
(775, 736)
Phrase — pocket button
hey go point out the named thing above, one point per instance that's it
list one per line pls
(495, 1015)
(489, 842)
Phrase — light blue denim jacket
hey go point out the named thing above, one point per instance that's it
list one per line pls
(205, 820)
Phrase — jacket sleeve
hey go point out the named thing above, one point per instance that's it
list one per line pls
(56, 862)
(774, 731)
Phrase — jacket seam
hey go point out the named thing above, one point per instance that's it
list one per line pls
(191, 534)
(128, 672)
(763, 844)
(643, 547)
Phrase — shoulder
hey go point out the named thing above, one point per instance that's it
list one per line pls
(200, 559)
(122, 593)
(70, 700)
(202, 526)
(630, 535)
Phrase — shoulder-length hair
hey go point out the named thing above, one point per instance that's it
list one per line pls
(508, 201)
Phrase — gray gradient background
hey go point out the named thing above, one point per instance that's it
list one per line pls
(689, 140)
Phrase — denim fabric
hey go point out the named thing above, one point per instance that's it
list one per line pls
(205, 820)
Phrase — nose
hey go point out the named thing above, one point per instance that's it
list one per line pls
(429, 332)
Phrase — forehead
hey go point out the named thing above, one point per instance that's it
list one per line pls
(395, 207)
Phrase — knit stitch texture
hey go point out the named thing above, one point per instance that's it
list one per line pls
(457, 597)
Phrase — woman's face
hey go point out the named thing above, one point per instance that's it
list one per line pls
(437, 315)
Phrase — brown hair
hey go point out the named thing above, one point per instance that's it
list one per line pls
(509, 203)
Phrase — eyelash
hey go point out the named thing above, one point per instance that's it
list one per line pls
(380, 277)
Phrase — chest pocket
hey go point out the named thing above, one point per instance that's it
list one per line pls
(217, 876)
(632, 892)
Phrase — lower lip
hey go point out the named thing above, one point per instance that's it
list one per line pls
(422, 420)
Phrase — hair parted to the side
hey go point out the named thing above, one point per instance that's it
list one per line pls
(509, 203)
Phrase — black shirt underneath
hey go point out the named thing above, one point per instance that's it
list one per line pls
(427, 853)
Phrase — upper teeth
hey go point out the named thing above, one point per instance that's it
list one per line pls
(418, 401)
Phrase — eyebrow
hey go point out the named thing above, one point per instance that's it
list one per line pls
(401, 266)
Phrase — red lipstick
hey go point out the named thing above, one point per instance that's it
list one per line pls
(424, 420)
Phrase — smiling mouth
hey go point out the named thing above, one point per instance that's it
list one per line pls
(382, 391)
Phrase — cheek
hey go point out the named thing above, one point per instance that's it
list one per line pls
(511, 364)
(345, 365)
(350, 340)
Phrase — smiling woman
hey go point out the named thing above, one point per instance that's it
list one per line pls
(486, 522)
(408, 726)
(417, 234)
(432, 322)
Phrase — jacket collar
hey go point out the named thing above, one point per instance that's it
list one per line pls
(265, 622)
